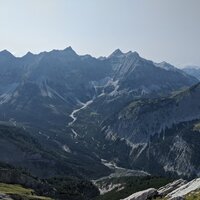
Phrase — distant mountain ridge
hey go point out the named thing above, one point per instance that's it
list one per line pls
(68, 102)
(193, 70)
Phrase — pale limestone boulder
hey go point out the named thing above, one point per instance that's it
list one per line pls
(163, 191)
(143, 195)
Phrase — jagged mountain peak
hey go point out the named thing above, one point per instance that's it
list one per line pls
(119, 53)
(6, 53)
(116, 53)
(132, 53)
(28, 55)
(67, 53)
(69, 49)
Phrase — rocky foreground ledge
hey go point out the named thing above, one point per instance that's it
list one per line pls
(177, 190)
(5, 197)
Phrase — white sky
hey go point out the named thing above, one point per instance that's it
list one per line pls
(157, 29)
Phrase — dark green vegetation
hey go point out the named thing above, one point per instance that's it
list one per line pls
(22, 150)
(193, 196)
(31, 155)
(71, 188)
(130, 185)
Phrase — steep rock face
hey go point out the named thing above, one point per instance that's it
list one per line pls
(162, 133)
(141, 119)
(134, 73)
(134, 78)
(173, 151)
(186, 159)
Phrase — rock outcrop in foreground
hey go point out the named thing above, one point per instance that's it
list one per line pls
(177, 190)
(185, 189)
(4, 196)
(145, 194)
(163, 191)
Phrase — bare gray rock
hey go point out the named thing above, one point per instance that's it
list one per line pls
(5, 197)
(163, 191)
(185, 189)
(143, 195)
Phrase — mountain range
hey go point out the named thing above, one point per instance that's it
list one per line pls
(66, 114)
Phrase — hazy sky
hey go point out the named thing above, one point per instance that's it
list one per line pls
(157, 29)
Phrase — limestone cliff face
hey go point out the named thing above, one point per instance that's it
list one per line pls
(163, 133)
(144, 118)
